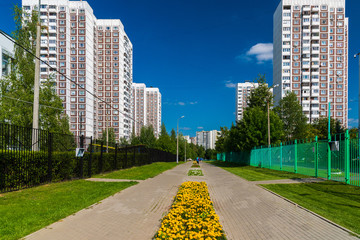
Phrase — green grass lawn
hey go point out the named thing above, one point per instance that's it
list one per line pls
(256, 174)
(140, 173)
(335, 201)
(28, 210)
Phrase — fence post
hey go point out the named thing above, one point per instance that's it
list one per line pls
(329, 159)
(115, 158)
(316, 150)
(125, 163)
(295, 162)
(101, 157)
(281, 153)
(90, 157)
(347, 157)
(50, 157)
(134, 159)
(82, 158)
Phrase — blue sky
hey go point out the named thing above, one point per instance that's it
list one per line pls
(194, 51)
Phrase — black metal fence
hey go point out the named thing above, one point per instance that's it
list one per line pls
(29, 157)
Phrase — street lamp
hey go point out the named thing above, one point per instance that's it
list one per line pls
(177, 140)
(358, 54)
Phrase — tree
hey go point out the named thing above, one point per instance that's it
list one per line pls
(294, 120)
(321, 127)
(111, 137)
(147, 136)
(220, 142)
(164, 142)
(252, 130)
(17, 89)
(261, 95)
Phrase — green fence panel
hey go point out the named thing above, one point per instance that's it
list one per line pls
(288, 158)
(306, 158)
(338, 158)
(323, 158)
(354, 161)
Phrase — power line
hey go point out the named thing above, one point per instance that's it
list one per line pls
(18, 99)
(52, 68)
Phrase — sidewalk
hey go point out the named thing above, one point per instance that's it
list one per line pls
(246, 211)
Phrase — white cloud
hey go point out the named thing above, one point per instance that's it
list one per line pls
(230, 84)
(262, 52)
(181, 103)
(200, 127)
(193, 103)
(185, 128)
(353, 122)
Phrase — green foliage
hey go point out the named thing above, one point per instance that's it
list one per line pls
(147, 136)
(220, 142)
(164, 142)
(17, 89)
(111, 136)
(261, 95)
(320, 127)
(292, 116)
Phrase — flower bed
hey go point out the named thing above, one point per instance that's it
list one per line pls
(195, 172)
(192, 215)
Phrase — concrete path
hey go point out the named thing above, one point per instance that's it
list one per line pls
(246, 211)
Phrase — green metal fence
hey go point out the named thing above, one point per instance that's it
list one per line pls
(337, 158)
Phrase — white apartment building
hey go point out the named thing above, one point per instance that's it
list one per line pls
(6, 53)
(242, 93)
(146, 108)
(311, 56)
(114, 72)
(207, 139)
(96, 55)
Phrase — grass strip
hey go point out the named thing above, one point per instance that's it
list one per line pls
(195, 172)
(335, 201)
(192, 215)
(29, 210)
(256, 174)
(141, 172)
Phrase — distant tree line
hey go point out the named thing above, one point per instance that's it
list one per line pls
(287, 123)
(164, 142)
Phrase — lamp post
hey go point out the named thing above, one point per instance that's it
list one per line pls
(177, 139)
(358, 55)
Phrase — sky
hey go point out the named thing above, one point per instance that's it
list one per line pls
(195, 51)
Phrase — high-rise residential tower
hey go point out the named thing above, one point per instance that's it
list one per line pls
(207, 139)
(96, 58)
(242, 93)
(311, 56)
(146, 107)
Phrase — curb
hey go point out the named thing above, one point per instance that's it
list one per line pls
(313, 213)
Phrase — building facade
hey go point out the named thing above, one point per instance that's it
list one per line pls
(242, 94)
(96, 58)
(207, 139)
(146, 108)
(6, 54)
(311, 56)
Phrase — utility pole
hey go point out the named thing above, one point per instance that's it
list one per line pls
(35, 138)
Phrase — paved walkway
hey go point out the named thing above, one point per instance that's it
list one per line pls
(246, 211)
